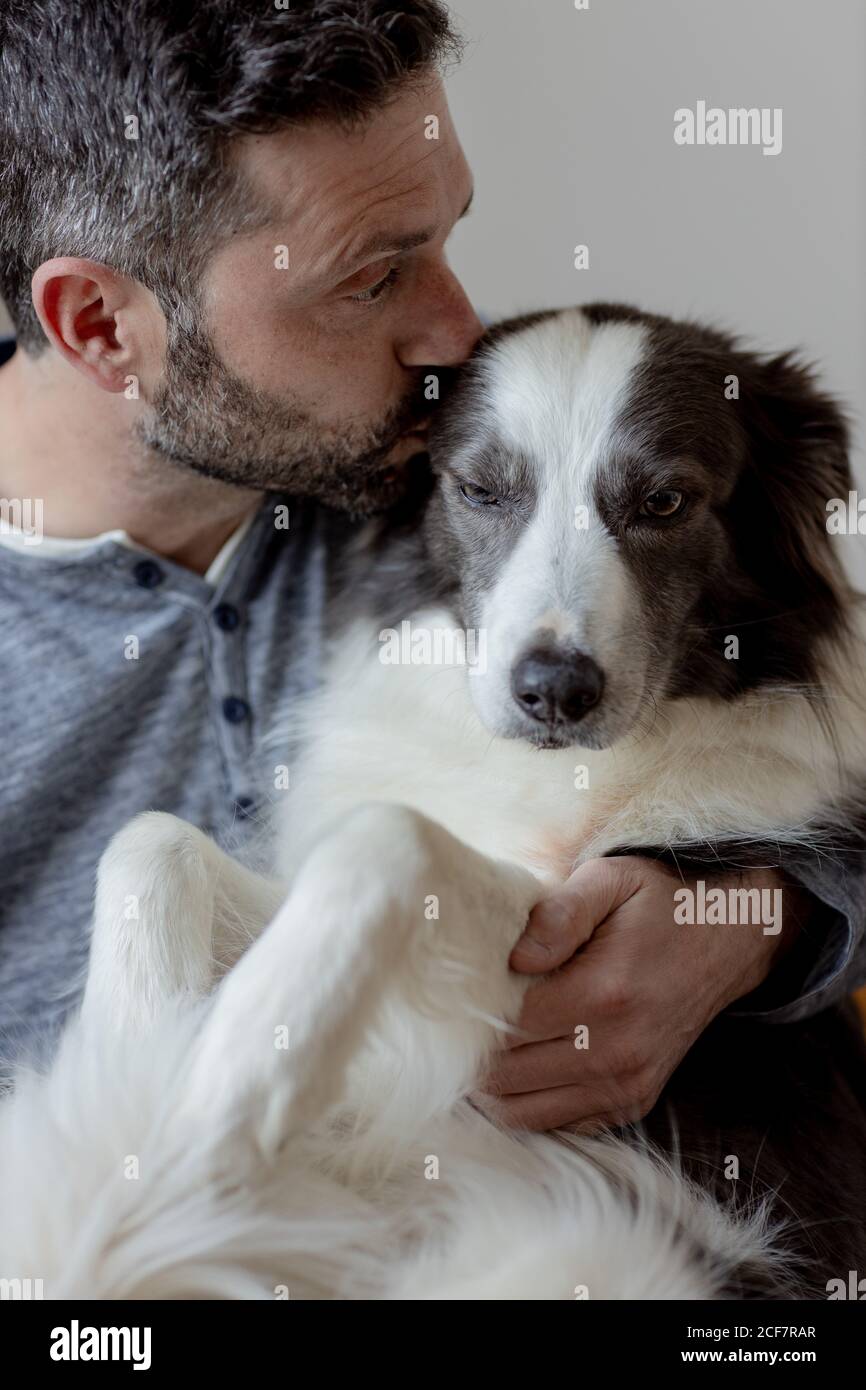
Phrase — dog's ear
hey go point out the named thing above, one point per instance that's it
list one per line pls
(797, 447)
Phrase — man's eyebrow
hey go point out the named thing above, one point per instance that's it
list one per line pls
(384, 243)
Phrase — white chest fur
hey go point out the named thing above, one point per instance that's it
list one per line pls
(761, 767)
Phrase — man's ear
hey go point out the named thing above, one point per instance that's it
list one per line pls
(82, 306)
(798, 461)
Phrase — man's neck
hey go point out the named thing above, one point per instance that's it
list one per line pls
(67, 442)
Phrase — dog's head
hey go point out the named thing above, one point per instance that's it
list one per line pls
(633, 509)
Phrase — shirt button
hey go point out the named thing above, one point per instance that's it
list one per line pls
(235, 710)
(148, 574)
(226, 616)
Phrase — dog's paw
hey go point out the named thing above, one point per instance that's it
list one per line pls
(153, 921)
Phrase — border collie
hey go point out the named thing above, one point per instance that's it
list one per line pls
(266, 1090)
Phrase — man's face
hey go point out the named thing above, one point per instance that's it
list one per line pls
(307, 373)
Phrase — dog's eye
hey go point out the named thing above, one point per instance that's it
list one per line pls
(477, 496)
(664, 503)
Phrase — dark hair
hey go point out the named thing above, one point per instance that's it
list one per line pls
(193, 75)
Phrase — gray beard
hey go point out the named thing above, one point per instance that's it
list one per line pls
(206, 419)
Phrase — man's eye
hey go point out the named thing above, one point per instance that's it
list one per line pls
(664, 503)
(374, 292)
(478, 496)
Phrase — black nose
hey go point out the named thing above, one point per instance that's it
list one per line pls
(552, 687)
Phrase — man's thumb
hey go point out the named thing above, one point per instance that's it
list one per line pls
(564, 921)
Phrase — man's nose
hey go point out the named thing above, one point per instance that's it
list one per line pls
(447, 331)
(554, 687)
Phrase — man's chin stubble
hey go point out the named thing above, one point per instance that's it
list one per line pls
(361, 484)
(232, 434)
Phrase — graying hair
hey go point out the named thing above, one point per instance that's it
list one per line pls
(80, 81)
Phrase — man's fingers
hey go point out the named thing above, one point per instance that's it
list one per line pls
(554, 1109)
(588, 993)
(607, 1081)
(562, 922)
(537, 1066)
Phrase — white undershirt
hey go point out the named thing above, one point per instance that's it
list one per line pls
(61, 548)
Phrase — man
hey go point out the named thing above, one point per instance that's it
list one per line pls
(222, 241)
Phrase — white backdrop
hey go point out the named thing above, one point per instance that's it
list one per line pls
(567, 119)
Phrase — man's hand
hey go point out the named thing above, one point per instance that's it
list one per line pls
(614, 1020)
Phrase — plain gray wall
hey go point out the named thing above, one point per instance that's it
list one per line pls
(567, 119)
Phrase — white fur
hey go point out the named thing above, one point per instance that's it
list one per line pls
(306, 1166)
(758, 768)
(554, 396)
(261, 1170)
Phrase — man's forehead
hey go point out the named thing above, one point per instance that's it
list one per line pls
(354, 187)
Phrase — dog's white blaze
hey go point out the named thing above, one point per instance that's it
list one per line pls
(555, 393)
(558, 408)
(555, 621)
(576, 575)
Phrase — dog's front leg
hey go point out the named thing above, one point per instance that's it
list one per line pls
(173, 912)
(388, 910)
